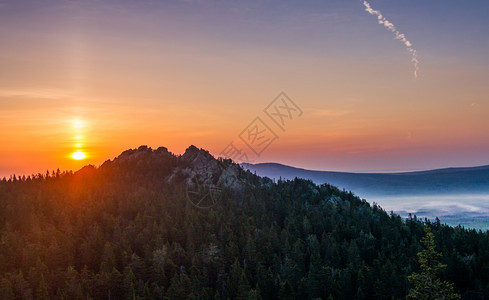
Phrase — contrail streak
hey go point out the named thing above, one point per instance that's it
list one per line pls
(399, 36)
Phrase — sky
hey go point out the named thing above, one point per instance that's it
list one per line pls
(90, 79)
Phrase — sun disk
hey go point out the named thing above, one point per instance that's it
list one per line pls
(78, 155)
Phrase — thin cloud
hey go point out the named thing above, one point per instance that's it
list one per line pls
(330, 112)
(399, 36)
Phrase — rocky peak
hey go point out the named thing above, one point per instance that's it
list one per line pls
(140, 152)
(140, 158)
(204, 169)
(195, 154)
(195, 165)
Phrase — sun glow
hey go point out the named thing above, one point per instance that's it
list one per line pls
(78, 126)
(78, 155)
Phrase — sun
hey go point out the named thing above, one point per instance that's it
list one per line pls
(78, 155)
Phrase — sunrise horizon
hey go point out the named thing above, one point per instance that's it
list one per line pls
(379, 85)
(80, 159)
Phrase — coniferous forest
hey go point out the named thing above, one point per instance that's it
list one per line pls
(129, 230)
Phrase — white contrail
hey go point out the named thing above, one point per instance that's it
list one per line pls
(399, 36)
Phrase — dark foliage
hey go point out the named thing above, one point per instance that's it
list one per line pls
(125, 231)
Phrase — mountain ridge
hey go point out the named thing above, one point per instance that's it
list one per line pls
(446, 180)
(436, 170)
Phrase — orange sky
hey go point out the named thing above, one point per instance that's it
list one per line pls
(100, 82)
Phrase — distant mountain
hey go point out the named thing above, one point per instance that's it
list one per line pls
(473, 180)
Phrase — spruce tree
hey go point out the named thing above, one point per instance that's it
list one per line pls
(427, 285)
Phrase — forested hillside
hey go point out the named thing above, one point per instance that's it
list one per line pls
(130, 229)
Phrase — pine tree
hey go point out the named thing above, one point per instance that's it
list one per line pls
(286, 291)
(42, 291)
(129, 283)
(427, 285)
(243, 286)
(180, 287)
(6, 289)
(254, 294)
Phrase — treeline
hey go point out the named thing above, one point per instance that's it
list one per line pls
(127, 231)
(47, 175)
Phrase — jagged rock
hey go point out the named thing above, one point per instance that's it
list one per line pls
(203, 169)
(196, 167)
(203, 163)
(138, 155)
